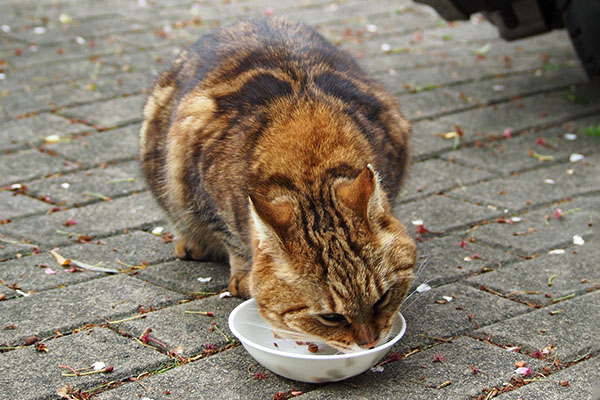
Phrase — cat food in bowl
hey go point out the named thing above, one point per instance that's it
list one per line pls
(299, 360)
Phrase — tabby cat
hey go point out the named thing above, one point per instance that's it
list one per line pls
(266, 144)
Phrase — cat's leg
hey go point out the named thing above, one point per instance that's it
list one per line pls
(202, 245)
(239, 284)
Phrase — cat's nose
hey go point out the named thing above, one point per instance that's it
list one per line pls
(368, 345)
(368, 339)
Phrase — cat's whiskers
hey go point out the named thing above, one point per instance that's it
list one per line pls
(405, 307)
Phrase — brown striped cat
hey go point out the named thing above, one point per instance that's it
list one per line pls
(266, 144)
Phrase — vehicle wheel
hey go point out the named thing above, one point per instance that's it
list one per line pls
(581, 18)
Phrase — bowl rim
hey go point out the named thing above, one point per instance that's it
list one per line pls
(280, 353)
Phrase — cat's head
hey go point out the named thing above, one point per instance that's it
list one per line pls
(334, 270)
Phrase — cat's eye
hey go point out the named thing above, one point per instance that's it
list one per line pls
(333, 319)
(383, 301)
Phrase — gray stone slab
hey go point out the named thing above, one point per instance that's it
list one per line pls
(66, 309)
(187, 334)
(582, 382)
(29, 164)
(574, 272)
(13, 205)
(99, 219)
(429, 103)
(46, 98)
(567, 326)
(533, 111)
(226, 375)
(115, 252)
(507, 156)
(543, 185)
(441, 213)
(430, 315)
(109, 113)
(436, 176)
(18, 133)
(107, 146)
(539, 232)
(182, 276)
(54, 30)
(426, 138)
(31, 374)
(421, 376)
(506, 87)
(114, 180)
(445, 260)
(11, 246)
(37, 76)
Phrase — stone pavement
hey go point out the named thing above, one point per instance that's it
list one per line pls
(505, 214)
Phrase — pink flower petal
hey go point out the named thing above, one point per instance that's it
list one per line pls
(523, 371)
(49, 271)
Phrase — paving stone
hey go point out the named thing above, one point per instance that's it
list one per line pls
(11, 246)
(115, 252)
(582, 384)
(429, 103)
(441, 213)
(13, 205)
(99, 219)
(187, 334)
(54, 30)
(567, 326)
(92, 302)
(538, 231)
(467, 310)
(444, 260)
(46, 98)
(576, 271)
(107, 146)
(539, 110)
(507, 87)
(421, 376)
(182, 276)
(436, 176)
(426, 138)
(31, 374)
(115, 180)
(223, 375)
(66, 51)
(109, 113)
(512, 155)
(543, 185)
(18, 133)
(29, 164)
(37, 76)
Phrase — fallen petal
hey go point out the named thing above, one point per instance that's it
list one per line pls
(576, 157)
(523, 371)
(225, 295)
(204, 280)
(98, 365)
(377, 368)
(158, 230)
(557, 251)
(570, 136)
(423, 287)
(448, 298)
(578, 240)
(417, 222)
(49, 271)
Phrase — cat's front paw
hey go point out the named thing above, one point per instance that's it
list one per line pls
(239, 285)
(185, 249)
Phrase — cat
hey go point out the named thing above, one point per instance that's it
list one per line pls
(268, 146)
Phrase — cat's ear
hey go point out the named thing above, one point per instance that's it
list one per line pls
(363, 194)
(270, 217)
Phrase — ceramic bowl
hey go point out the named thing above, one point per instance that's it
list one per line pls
(293, 360)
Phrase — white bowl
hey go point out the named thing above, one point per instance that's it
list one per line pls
(287, 358)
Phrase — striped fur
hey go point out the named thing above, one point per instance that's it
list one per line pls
(266, 144)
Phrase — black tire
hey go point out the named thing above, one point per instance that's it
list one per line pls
(582, 20)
